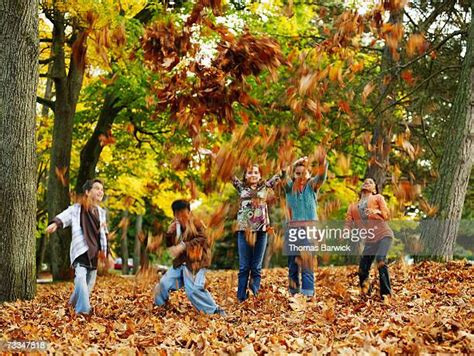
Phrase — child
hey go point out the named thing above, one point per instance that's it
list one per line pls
(371, 212)
(252, 223)
(188, 246)
(89, 241)
(302, 199)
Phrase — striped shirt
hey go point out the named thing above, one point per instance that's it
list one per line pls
(72, 217)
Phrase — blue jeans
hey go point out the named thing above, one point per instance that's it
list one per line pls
(176, 278)
(84, 281)
(307, 277)
(250, 263)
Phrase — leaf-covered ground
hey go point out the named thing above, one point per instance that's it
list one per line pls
(431, 311)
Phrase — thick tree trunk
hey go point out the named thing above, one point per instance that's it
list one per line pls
(18, 84)
(90, 153)
(138, 244)
(438, 235)
(124, 242)
(67, 94)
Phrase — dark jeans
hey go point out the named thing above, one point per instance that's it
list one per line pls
(250, 263)
(378, 251)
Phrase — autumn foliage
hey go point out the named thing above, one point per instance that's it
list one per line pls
(192, 90)
(431, 312)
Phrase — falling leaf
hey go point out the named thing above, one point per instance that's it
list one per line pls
(369, 88)
(344, 106)
(416, 44)
(407, 76)
(61, 175)
(107, 139)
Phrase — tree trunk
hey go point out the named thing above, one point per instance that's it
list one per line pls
(67, 94)
(269, 251)
(90, 153)
(124, 242)
(439, 234)
(137, 246)
(48, 94)
(18, 84)
(381, 139)
(41, 251)
(144, 259)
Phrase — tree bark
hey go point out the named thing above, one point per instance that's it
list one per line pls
(144, 259)
(137, 246)
(439, 234)
(124, 242)
(19, 53)
(68, 87)
(48, 92)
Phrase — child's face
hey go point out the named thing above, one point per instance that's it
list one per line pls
(96, 194)
(252, 175)
(369, 185)
(301, 173)
(182, 216)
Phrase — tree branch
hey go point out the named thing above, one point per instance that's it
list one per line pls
(396, 102)
(445, 6)
(440, 44)
(137, 129)
(49, 103)
(46, 61)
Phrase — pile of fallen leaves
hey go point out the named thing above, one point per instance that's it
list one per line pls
(431, 311)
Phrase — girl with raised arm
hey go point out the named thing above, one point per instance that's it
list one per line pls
(252, 224)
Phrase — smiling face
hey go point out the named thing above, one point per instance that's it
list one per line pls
(96, 193)
(300, 172)
(252, 175)
(369, 186)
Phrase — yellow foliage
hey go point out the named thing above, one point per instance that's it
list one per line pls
(164, 199)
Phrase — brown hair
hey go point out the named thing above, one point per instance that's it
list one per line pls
(87, 186)
(89, 183)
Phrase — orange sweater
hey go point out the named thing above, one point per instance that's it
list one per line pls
(376, 221)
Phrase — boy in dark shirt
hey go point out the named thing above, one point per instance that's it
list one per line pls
(188, 245)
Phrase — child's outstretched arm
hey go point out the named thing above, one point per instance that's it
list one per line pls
(320, 176)
(61, 221)
(237, 183)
